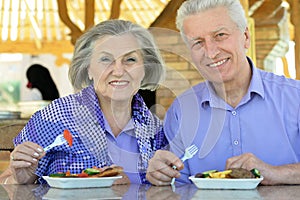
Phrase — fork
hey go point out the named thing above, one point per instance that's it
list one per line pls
(188, 153)
(59, 140)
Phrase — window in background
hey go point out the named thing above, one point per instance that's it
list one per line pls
(10, 79)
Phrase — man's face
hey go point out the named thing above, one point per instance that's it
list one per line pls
(218, 47)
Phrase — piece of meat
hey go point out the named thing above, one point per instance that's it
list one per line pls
(110, 171)
(240, 173)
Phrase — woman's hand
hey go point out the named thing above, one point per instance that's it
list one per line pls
(24, 161)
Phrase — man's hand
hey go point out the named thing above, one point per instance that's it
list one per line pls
(160, 171)
(249, 161)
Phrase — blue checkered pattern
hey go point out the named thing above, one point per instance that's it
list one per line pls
(81, 115)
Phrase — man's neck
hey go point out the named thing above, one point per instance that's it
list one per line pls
(232, 92)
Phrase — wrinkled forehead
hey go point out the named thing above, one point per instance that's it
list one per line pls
(117, 45)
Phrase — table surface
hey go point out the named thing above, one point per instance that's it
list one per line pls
(147, 192)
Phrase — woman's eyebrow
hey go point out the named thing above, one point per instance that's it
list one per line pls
(130, 52)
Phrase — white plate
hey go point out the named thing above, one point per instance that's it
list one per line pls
(226, 183)
(81, 193)
(58, 182)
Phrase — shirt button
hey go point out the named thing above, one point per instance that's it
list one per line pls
(235, 142)
(233, 113)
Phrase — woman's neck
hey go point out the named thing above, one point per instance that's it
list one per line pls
(117, 113)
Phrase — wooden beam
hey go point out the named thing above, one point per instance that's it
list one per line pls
(64, 16)
(167, 17)
(115, 9)
(89, 13)
(266, 10)
(36, 29)
(28, 47)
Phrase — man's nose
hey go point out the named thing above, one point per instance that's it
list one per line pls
(211, 48)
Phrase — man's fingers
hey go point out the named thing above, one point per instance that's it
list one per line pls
(157, 179)
(164, 158)
(160, 171)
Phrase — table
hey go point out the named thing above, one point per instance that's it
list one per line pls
(147, 192)
(8, 130)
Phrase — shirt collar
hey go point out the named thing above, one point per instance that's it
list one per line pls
(256, 84)
(209, 96)
(128, 129)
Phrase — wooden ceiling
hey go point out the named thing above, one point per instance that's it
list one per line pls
(52, 26)
(30, 26)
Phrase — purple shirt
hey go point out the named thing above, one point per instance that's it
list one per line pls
(123, 154)
(265, 123)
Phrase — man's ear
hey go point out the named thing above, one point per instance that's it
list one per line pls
(247, 38)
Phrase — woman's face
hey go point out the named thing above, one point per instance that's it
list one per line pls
(117, 67)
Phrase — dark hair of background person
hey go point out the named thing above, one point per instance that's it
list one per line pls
(39, 77)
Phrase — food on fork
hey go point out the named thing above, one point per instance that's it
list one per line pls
(93, 172)
(68, 137)
(232, 173)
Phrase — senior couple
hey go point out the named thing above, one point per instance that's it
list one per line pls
(239, 117)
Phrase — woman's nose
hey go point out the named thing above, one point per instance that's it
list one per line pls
(118, 68)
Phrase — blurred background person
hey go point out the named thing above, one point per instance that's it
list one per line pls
(41, 84)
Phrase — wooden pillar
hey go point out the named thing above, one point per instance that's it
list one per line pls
(245, 5)
(251, 52)
(296, 22)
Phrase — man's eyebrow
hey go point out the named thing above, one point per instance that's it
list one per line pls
(193, 39)
(212, 32)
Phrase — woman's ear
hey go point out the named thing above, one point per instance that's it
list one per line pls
(89, 75)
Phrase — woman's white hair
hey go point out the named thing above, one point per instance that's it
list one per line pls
(153, 62)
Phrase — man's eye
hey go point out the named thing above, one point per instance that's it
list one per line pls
(220, 36)
(197, 44)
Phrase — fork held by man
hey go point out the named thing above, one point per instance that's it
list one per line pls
(188, 153)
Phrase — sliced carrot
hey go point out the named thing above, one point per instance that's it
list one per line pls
(68, 173)
(68, 137)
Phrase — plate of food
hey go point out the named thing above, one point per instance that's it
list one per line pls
(236, 178)
(90, 177)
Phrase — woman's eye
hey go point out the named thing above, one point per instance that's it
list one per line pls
(131, 60)
(105, 60)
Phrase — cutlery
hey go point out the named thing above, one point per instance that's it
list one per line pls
(188, 153)
(65, 137)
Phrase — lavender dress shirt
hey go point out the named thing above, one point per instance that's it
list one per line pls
(265, 123)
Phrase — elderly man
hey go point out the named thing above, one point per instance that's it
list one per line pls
(241, 116)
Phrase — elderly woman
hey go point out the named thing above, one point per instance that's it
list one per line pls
(108, 119)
